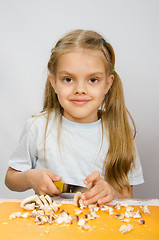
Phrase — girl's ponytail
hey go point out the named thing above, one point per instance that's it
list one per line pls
(120, 156)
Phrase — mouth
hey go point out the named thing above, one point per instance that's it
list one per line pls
(80, 102)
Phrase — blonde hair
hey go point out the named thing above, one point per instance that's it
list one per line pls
(114, 115)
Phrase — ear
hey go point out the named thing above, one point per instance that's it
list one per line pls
(109, 83)
(52, 81)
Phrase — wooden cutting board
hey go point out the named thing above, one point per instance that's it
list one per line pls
(104, 227)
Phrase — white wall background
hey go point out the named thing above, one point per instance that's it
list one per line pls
(28, 31)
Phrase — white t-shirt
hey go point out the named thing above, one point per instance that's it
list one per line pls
(79, 153)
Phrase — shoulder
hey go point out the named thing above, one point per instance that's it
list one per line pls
(38, 122)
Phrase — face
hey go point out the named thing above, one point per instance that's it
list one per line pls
(81, 84)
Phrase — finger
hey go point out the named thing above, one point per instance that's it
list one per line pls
(92, 192)
(105, 199)
(95, 198)
(43, 190)
(95, 176)
(53, 189)
(53, 176)
(48, 186)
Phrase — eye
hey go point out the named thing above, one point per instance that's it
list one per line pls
(93, 80)
(67, 79)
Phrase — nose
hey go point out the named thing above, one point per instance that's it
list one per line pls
(80, 88)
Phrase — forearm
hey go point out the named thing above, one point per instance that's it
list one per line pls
(17, 181)
(40, 180)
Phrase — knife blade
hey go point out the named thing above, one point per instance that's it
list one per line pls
(69, 188)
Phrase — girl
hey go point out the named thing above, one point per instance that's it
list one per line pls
(82, 135)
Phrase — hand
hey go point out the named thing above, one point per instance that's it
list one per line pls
(100, 192)
(41, 180)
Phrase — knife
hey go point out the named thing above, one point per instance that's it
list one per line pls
(69, 188)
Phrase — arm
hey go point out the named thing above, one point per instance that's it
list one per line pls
(101, 191)
(41, 180)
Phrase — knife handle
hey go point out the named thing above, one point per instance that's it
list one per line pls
(59, 185)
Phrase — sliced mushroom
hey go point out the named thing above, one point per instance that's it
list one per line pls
(15, 215)
(93, 207)
(145, 209)
(129, 209)
(104, 208)
(75, 218)
(126, 228)
(46, 205)
(129, 214)
(78, 212)
(31, 203)
(40, 220)
(127, 220)
(94, 214)
(50, 219)
(117, 206)
(137, 214)
(64, 217)
(36, 213)
(44, 201)
(119, 216)
(81, 222)
(141, 221)
(48, 199)
(55, 206)
(81, 204)
(25, 215)
(76, 199)
(86, 227)
(111, 211)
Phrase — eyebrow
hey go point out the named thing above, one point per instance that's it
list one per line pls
(72, 74)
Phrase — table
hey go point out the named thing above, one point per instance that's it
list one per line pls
(103, 227)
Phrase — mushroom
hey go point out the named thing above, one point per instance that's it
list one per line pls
(55, 206)
(104, 208)
(76, 199)
(117, 206)
(48, 199)
(82, 224)
(75, 218)
(40, 220)
(46, 205)
(86, 227)
(15, 215)
(36, 213)
(93, 207)
(31, 203)
(25, 215)
(141, 221)
(64, 217)
(111, 211)
(129, 214)
(50, 219)
(78, 211)
(127, 220)
(125, 228)
(129, 209)
(81, 204)
(137, 214)
(145, 209)
(119, 216)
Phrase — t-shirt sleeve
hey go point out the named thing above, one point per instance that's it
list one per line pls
(23, 158)
(136, 174)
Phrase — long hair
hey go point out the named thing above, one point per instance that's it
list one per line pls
(120, 157)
